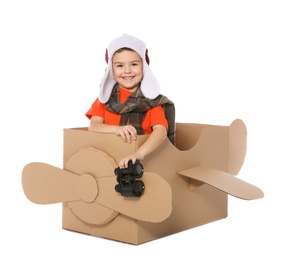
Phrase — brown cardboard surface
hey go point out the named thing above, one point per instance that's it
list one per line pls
(185, 186)
(225, 182)
(151, 207)
(46, 184)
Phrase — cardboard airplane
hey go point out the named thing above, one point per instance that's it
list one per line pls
(184, 186)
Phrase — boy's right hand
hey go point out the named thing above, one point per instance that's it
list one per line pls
(127, 132)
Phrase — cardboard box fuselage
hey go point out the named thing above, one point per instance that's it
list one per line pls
(193, 202)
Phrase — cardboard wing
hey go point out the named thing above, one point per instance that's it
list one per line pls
(224, 182)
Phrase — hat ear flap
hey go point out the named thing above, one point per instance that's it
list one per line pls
(107, 84)
(149, 84)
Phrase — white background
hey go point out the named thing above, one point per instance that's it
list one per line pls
(217, 60)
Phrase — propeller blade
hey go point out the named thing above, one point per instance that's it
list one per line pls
(46, 184)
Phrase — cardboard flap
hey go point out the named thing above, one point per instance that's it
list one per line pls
(224, 182)
(222, 147)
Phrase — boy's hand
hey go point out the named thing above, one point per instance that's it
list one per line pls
(127, 132)
(132, 157)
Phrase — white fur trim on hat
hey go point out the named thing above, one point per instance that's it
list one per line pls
(149, 85)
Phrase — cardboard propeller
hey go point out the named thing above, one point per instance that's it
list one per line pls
(87, 184)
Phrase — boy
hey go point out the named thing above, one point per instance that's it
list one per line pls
(129, 101)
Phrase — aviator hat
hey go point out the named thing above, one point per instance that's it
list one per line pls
(149, 84)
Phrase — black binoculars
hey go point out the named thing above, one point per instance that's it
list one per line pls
(127, 185)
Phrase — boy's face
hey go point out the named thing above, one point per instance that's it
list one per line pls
(127, 69)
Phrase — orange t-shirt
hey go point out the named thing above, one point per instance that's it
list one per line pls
(154, 116)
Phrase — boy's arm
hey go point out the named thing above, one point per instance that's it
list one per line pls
(127, 132)
(154, 140)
